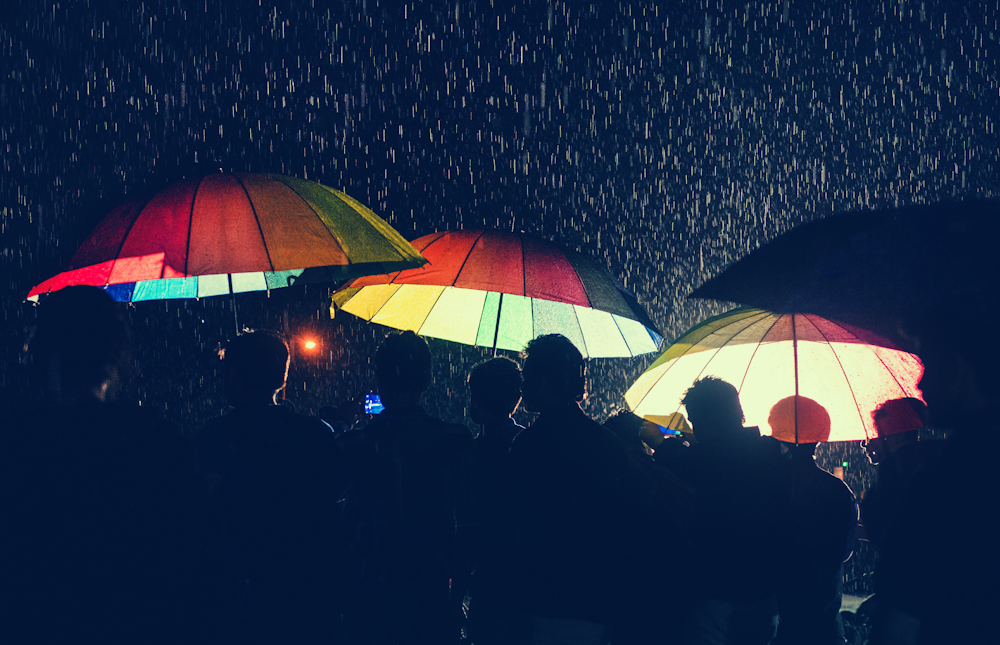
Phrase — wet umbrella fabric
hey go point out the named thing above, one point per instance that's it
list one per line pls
(496, 289)
(884, 270)
(770, 357)
(229, 233)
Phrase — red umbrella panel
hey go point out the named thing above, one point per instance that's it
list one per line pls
(497, 289)
(228, 233)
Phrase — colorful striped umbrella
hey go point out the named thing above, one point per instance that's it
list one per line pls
(500, 290)
(770, 357)
(229, 233)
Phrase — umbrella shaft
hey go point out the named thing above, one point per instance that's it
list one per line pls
(496, 332)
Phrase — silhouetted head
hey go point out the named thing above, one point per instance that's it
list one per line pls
(626, 425)
(256, 366)
(896, 422)
(495, 390)
(799, 420)
(403, 369)
(960, 380)
(713, 409)
(899, 416)
(81, 346)
(555, 374)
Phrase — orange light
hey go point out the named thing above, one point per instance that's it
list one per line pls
(310, 344)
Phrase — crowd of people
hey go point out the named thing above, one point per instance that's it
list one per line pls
(269, 526)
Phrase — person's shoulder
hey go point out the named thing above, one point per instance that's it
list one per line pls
(917, 453)
(455, 433)
(444, 425)
(134, 420)
(215, 429)
(603, 435)
(836, 485)
(309, 423)
(214, 424)
(303, 432)
(527, 439)
(767, 444)
(146, 433)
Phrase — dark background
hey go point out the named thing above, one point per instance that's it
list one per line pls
(666, 141)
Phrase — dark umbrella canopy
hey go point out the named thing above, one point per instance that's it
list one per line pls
(887, 271)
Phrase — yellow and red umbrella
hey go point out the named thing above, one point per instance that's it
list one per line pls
(771, 357)
(229, 233)
(500, 290)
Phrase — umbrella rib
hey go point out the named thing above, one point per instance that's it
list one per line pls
(880, 360)
(583, 336)
(330, 232)
(849, 388)
(429, 310)
(467, 255)
(674, 361)
(260, 228)
(754, 354)
(531, 303)
(382, 306)
(128, 232)
(187, 249)
(580, 280)
(755, 321)
(524, 270)
(624, 340)
(795, 362)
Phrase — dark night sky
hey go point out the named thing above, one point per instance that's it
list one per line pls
(668, 142)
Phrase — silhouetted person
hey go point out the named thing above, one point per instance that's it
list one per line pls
(818, 533)
(495, 393)
(275, 477)
(101, 537)
(898, 454)
(736, 474)
(936, 579)
(665, 513)
(411, 487)
(569, 502)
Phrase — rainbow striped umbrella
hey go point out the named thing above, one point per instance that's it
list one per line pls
(772, 357)
(230, 233)
(500, 290)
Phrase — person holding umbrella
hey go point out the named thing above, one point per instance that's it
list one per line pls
(569, 503)
(275, 478)
(819, 531)
(737, 477)
(898, 454)
(926, 276)
(104, 535)
(406, 512)
(495, 393)
(937, 575)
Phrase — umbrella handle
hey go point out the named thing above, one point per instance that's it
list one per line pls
(232, 296)
(496, 332)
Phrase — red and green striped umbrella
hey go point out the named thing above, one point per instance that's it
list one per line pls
(500, 290)
(229, 233)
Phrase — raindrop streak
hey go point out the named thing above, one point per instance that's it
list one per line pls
(667, 142)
